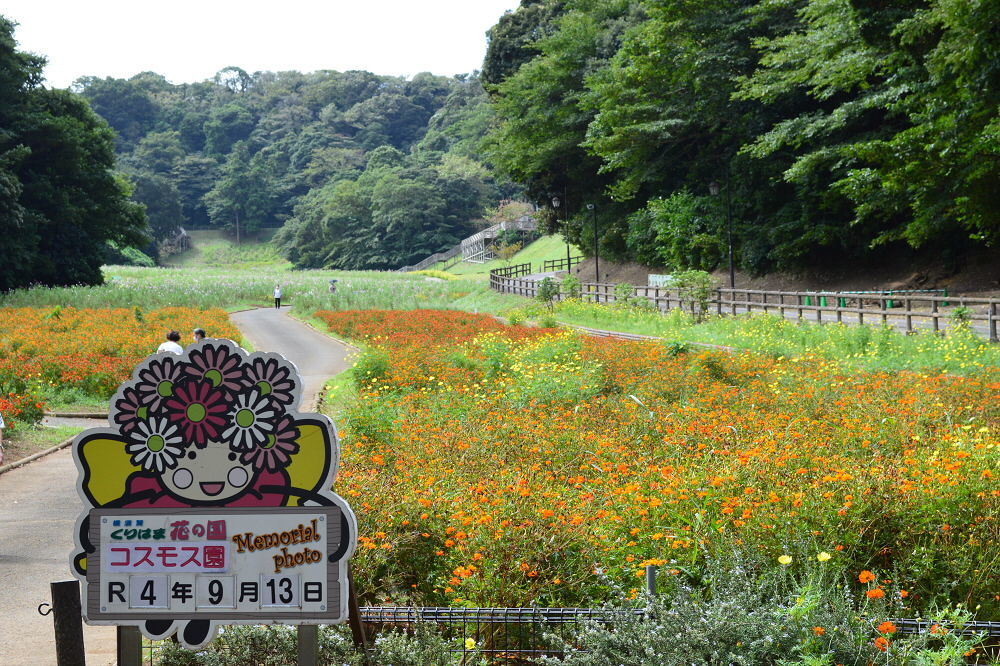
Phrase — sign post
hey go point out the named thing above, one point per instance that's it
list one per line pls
(209, 501)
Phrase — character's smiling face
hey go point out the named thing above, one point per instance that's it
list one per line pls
(212, 475)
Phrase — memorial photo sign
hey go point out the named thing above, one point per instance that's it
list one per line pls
(208, 502)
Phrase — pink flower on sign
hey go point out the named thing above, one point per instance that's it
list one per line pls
(218, 366)
(271, 379)
(157, 381)
(130, 410)
(199, 410)
(276, 450)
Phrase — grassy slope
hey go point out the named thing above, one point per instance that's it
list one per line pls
(214, 248)
(546, 247)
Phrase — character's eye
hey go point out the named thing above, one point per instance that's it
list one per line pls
(192, 455)
(232, 456)
(238, 477)
(183, 478)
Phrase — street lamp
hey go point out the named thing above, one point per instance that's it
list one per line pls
(713, 189)
(597, 259)
(555, 206)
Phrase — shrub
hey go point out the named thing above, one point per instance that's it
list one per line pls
(571, 286)
(423, 647)
(698, 285)
(371, 368)
(681, 230)
(548, 291)
(739, 613)
(239, 645)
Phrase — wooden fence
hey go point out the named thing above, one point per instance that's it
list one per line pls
(908, 311)
(560, 264)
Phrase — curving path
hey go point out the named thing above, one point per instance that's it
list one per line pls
(39, 505)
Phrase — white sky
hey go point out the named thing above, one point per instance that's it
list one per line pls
(188, 41)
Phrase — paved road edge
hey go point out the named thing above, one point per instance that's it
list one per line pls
(36, 456)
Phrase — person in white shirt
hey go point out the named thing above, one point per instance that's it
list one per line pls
(2, 426)
(171, 345)
(277, 296)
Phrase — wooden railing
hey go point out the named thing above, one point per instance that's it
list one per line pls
(908, 311)
(560, 264)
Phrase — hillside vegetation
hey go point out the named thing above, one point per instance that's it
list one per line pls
(365, 171)
(830, 129)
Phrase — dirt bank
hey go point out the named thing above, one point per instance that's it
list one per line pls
(976, 276)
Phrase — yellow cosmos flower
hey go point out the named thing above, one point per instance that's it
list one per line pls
(470, 643)
(824, 556)
(785, 560)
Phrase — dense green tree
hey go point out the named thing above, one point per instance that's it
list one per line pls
(194, 176)
(162, 202)
(239, 200)
(126, 105)
(907, 126)
(512, 41)
(159, 152)
(226, 126)
(539, 141)
(61, 200)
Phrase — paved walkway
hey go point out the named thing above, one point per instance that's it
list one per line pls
(39, 506)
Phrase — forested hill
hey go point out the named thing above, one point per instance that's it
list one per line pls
(834, 129)
(362, 170)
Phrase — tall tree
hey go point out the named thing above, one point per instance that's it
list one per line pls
(56, 161)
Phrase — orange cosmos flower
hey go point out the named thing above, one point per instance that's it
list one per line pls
(877, 593)
(819, 631)
(882, 643)
(866, 576)
(887, 628)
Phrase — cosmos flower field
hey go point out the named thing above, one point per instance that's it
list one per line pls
(47, 350)
(504, 466)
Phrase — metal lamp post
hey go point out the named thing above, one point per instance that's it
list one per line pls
(597, 259)
(713, 189)
(555, 206)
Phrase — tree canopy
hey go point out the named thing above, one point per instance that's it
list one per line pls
(249, 150)
(60, 199)
(841, 128)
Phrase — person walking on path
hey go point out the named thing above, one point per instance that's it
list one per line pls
(277, 296)
(172, 344)
(2, 426)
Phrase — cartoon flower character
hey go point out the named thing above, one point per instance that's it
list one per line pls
(213, 427)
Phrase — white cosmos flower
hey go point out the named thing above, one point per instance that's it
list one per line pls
(249, 421)
(156, 445)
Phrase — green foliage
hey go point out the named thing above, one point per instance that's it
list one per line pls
(548, 291)
(625, 294)
(60, 200)
(695, 285)
(740, 613)
(837, 127)
(679, 232)
(247, 151)
(571, 286)
(371, 368)
(240, 645)
(960, 351)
